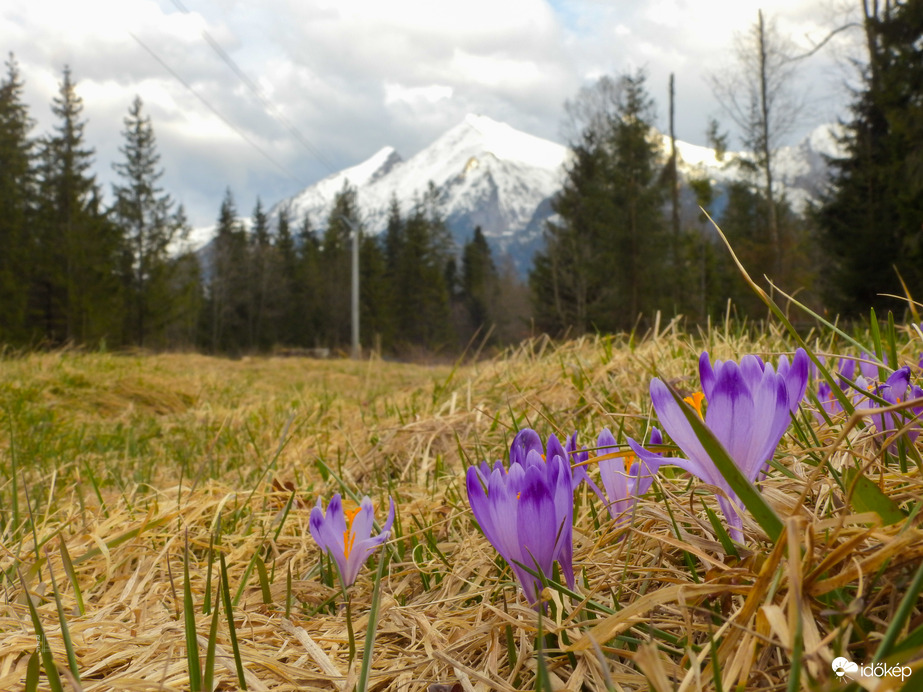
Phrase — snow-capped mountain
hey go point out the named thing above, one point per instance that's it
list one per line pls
(488, 174)
(494, 176)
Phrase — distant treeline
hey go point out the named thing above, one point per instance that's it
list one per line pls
(73, 271)
(627, 239)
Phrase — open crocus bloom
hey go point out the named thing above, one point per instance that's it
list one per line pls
(527, 440)
(347, 534)
(749, 407)
(895, 390)
(825, 394)
(526, 511)
(626, 479)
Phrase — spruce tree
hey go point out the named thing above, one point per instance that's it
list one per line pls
(336, 267)
(149, 224)
(872, 216)
(17, 197)
(285, 278)
(606, 252)
(374, 308)
(228, 288)
(260, 269)
(309, 309)
(479, 282)
(77, 289)
(422, 296)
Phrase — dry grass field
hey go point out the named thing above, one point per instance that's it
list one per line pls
(139, 491)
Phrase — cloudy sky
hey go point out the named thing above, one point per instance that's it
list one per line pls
(285, 92)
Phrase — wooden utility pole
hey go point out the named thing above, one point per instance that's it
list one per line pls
(674, 197)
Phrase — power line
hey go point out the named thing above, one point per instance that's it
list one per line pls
(214, 110)
(271, 109)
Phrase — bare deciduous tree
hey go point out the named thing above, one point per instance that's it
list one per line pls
(759, 94)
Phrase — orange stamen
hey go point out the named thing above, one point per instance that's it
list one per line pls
(349, 538)
(695, 401)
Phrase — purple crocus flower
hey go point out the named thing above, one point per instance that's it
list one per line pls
(347, 534)
(625, 479)
(895, 390)
(526, 511)
(749, 409)
(622, 486)
(825, 394)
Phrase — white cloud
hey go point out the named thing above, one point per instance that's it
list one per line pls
(433, 93)
(355, 75)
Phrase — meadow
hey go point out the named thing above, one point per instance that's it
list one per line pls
(143, 498)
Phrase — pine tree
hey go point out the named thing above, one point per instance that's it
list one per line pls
(336, 264)
(228, 288)
(260, 262)
(640, 239)
(149, 224)
(290, 312)
(606, 253)
(77, 289)
(872, 217)
(374, 308)
(422, 296)
(309, 309)
(479, 282)
(17, 197)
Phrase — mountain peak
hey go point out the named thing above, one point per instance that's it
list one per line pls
(510, 144)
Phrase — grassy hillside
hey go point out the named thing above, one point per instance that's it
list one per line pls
(123, 478)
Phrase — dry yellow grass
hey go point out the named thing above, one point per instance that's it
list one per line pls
(124, 458)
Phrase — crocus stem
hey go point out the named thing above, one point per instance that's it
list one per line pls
(349, 628)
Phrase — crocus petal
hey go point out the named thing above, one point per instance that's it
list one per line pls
(676, 426)
(706, 374)
(362, 523)
(332, 535)
(730, 413)
(729, 507)
(771, 419)
(796, 379)
(577, 460)
(501, 497)
(536, 521)
(481, 505)
(526, 440)
(751, 369)
(527, 510)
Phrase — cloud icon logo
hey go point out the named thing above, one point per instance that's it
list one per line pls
(841, 666)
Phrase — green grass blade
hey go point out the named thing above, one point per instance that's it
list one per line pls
(192, 644)
(207, 600)
(33, 668)
(229, 614)
(65, 630)
(69, 568)
(721, 532)
(750, 497)
(372, 628)
(13, 472)
(875, 333)
(209, 673)
(51, 671)
(892, 341)
(904, 610)
(867, 497)
(542, 679)
(264, 580)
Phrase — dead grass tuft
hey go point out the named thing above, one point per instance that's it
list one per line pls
(234, 439)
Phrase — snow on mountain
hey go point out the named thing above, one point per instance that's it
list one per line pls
(488, 174)
(491, 175)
